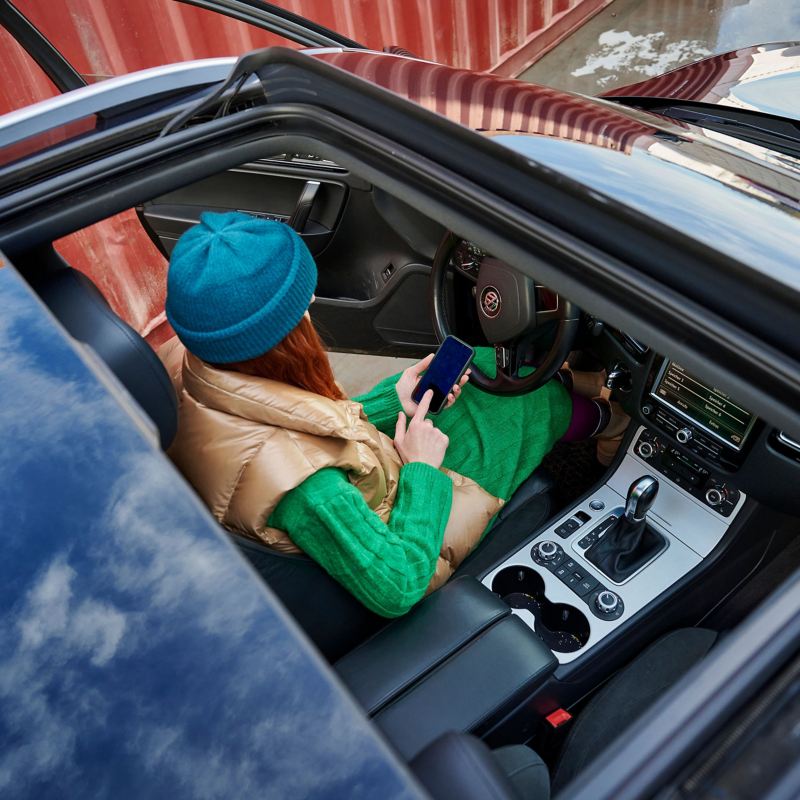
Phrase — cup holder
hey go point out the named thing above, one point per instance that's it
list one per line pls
(563, 628)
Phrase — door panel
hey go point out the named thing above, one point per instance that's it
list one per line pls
(170, 215)
(373, 254)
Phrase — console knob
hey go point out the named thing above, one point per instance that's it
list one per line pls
(645, 449)
(715, 495)
(548, 550)
(684, 435)
(607, 602)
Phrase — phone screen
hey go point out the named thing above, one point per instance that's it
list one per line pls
(448, 365)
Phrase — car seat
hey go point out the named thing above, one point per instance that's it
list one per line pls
(459, 765)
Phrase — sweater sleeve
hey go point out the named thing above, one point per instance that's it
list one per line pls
(386, 566)
(382, 405)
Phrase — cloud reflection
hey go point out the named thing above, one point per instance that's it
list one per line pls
(138, 654)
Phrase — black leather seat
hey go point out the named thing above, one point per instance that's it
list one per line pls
(80, 307)
(329, 614)
(528, 509)
(334, 620)
(459, 766)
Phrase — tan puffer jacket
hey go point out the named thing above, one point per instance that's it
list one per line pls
(244, 442)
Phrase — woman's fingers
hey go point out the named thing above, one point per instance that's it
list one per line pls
(420, 367)
(454, 395)
(400, 428)
(424, 405)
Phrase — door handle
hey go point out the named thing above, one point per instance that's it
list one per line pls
(303, 208)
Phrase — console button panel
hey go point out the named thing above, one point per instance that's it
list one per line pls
(692, 437)
(684, 471)
(596, 532)
(575, 577)
(566, 529)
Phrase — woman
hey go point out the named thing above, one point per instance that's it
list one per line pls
(278, 453)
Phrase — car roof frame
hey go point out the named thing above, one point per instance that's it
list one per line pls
(279, 21)
(658, 745)
(40, 48)
(490, 210)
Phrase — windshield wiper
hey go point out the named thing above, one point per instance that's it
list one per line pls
(768, 131)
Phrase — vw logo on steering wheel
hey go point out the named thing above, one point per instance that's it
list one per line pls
(490, 302)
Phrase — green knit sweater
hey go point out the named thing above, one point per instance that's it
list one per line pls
(496, 441)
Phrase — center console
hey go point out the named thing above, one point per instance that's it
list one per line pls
(695, 439)
(569, 601)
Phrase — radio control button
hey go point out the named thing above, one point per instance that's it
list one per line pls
(684, 435)
(548, 550)
(607, 602)
(714, 497)
(645, 449)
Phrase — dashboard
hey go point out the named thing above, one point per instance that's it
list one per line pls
(696, 433)
(708, 443)
(722, 421)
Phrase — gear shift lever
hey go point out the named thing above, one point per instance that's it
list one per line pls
(629, 543)
(641, 496)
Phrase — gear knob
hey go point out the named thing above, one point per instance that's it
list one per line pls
(641, 496)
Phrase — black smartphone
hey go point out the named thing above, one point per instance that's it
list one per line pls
(451, 361)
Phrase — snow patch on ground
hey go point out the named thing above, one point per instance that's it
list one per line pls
(647, 54)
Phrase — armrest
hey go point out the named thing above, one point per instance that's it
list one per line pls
(472, 690)
(404, 652)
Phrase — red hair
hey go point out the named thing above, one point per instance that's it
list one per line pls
(299, 359)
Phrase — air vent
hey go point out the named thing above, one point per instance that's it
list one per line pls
(636, 348)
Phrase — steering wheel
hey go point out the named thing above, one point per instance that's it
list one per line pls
(507, 310)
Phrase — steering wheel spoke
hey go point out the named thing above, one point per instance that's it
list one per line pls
(548, 306)
(508, 359)
(505, 359)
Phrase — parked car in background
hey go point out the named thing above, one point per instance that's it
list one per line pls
(653, 235)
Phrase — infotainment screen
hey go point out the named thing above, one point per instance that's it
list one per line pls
(705, 405)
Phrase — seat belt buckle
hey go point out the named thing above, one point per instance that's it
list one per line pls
(558, 718)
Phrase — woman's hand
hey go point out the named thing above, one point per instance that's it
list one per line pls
(421, 441)
(410, 378)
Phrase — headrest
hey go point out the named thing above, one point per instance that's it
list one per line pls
(80, 307)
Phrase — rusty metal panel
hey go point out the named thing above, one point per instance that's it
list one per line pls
(103, 39)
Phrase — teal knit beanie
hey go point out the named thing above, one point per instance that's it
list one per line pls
(237, 285)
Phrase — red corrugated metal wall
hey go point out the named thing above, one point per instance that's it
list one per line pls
(103, 39)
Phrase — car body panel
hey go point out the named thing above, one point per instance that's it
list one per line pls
(716, 198)
(765, 78)
(139, 654)
(100, 97)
